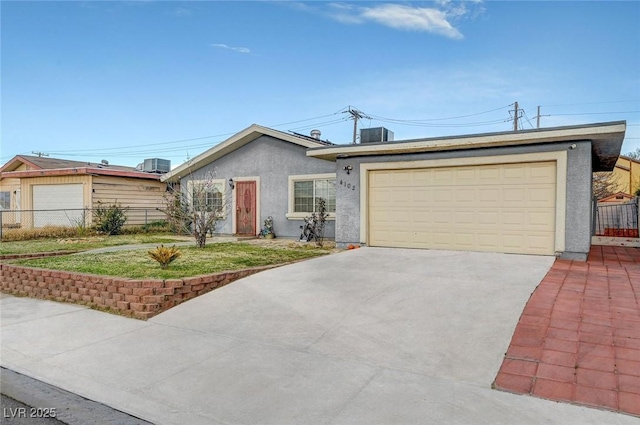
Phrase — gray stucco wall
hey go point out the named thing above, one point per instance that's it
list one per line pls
(578, 214)
(273, 161)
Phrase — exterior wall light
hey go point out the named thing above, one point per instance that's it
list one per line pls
(348, 169)
(231, 184)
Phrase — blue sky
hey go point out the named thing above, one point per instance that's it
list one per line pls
(124, 81)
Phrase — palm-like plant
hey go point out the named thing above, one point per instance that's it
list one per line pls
(165, 255)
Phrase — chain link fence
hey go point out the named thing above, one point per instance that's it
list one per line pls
(23, 220)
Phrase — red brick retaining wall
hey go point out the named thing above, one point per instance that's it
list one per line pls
(139, 298)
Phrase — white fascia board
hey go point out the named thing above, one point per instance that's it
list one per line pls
(600, 132)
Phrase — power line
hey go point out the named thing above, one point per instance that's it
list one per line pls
(594, 103)
(326, 123)
(527, 118)
(597, 113)
(470, 124)
(144, 145)
(127, 152)
(355, 116)
(440, 119)
(308, 119)
(137, 150)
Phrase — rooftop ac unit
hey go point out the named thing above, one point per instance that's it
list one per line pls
(376, 134)
(156, 165)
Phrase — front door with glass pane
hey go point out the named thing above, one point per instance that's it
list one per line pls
(246, 208)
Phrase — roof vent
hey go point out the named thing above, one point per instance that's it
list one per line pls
(104, 162)
(376, 134)
(156, 165)
(316, 134)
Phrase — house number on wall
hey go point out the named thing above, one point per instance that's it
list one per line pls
(348, 185)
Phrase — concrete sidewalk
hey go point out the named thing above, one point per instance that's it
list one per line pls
(370, 336)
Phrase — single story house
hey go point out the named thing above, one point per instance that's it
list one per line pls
(43, 191)
(260, 173)
(527, 192)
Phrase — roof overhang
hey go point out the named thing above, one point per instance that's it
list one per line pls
(231, 144)
(628, 158)
(79, 171)
(616, 196)
(16, 162)
(606, 141)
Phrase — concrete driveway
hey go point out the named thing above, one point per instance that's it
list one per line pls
(370, 336)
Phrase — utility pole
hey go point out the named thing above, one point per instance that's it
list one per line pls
(355, 115)
(40, 154)
(515, 118)
(538, 118)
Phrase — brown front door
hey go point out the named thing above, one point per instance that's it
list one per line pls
(246, 208)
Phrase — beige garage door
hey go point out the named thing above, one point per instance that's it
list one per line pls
(500, 208)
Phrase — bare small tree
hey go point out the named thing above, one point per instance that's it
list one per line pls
(198, 207)
(605, 183)
(313, 228)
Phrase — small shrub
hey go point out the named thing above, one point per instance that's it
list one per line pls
(132, 230)
(109, 219)
(165, 255)
(153, 227)
(157, 226)
(80, 223)
(313, 228)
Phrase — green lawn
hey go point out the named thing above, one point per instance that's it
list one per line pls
(194, 261)
(81, 244)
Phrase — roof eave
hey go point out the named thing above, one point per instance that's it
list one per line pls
(17, 159)
(79, 171)
(606, 139)
(231, 144)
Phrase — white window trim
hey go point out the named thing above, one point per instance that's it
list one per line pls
(221, 182)
(291, 215)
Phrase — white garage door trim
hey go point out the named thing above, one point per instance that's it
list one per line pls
(560, 157)
(57, 197)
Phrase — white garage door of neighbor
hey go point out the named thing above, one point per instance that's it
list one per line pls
(498, 208)
(67, 199)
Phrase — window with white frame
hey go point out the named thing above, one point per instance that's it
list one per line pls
(306, 190)
(207, 195)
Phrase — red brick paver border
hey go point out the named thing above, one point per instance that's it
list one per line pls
(578, 339)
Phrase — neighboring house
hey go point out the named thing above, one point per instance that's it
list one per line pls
(31, 184)
(626, 175)
(526, 192)
(260, 172)
(617, 198)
